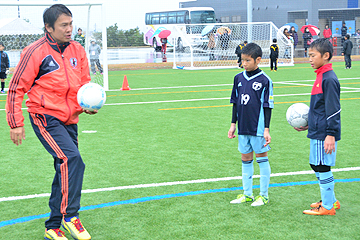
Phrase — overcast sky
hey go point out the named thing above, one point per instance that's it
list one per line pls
(126, 13)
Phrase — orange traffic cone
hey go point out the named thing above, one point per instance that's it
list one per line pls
(125, 85)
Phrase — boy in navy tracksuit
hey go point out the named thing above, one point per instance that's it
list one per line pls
(323, 126)
(4, 66)
(346, 51)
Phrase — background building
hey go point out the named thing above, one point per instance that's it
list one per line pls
(280, 12)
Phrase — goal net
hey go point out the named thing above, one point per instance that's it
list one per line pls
(194, 48)
(21, 24)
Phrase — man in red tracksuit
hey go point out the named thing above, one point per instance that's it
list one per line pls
(51, 71)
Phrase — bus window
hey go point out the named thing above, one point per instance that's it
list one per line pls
(147, 19)
(202, 17)
(180, 17)
(155, 18)
(163, 18)
(172, 18)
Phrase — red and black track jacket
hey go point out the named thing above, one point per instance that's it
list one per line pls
(324, 114)
(51, 76)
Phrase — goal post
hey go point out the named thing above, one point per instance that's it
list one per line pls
(26, 17)
(196, 51)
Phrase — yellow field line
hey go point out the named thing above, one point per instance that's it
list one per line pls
(212, 71)
(201, 91)
(221, 90)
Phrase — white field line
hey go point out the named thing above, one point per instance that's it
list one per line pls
(204, 99)
(15, 198)
(216, 85)
(211, 99)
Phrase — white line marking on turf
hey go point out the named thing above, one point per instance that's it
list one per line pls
(216, 85)
(207, 99)
(14, 198)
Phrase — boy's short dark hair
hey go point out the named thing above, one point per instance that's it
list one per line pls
(79, 29)
(253, 50)
(274, 40)
(323, 45)
(52, 13)
(245, 42)
(347, 36)
(2, 44)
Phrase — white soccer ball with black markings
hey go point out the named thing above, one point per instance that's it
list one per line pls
(91, 96)
(297, 115)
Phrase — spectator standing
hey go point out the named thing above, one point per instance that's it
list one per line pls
(357, 37)
(327, 32)
(163, 45)
(357, 34)
(80, 38)
(287, 34)
(343, 33)
(95, 51)
(5, 64)
(346, 51)
(294, 35)
(307, 40)
(224, 39)
(211, 45)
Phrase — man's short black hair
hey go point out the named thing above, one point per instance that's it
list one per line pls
(2, 44)
(347, 36)
(52, 13)
(253, 50)
(323, 45)
(79, 29)
(274, 40)
(245, 42)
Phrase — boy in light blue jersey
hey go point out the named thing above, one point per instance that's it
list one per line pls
(324, 128)
(252, 99)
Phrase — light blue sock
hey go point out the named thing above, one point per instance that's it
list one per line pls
(317, 176)
(327, 184)
(265, 172)
(247, 177)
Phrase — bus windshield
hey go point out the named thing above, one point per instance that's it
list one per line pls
(202, 17)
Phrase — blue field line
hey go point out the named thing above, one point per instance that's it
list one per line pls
(174, 195)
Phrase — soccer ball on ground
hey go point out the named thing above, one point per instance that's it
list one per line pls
(297, 115)
(91, 96)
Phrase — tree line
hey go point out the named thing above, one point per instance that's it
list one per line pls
(121, 38)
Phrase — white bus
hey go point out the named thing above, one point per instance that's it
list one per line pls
(158, 21)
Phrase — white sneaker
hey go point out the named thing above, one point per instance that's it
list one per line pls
(260, 200)
(242, 198)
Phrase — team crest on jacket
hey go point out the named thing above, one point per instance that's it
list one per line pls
(256, 86)
(73, 62)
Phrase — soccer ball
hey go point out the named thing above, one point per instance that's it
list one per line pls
(297, 115)
(91, 96)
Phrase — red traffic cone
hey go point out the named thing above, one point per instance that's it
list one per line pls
(125, 85)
